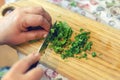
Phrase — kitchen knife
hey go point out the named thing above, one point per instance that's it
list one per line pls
(42, 49)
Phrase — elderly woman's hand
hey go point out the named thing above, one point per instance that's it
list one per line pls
(13, 27)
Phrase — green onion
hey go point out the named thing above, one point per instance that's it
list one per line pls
(81, 29)
(84, 55)
(60, 41)
(94, 54)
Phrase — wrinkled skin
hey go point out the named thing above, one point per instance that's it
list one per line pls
(19, 70)
(14, 25)
(13, 29)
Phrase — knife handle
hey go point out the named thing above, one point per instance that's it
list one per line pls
(33, 66)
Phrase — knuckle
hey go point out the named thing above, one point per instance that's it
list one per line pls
(46, 23)
(18, 16)
(41, 19)
(50, 20)
(19, 12)
(41, 9)
(25, 62)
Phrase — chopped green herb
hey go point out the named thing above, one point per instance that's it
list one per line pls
(81, 29)
(60, 36)
(60, 41)
(79, 57)
(76, 56)
(94, 54)
(63, 56)
(52, 30)
(84, 55)
(88, 46)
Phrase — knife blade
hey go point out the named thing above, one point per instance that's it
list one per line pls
(41, 49)
(44, 45)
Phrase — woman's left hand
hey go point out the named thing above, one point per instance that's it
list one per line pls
(13, 27)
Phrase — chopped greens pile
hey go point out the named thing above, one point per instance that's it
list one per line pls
(61, 42)
(60, 36)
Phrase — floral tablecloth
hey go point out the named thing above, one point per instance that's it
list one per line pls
(103, 11)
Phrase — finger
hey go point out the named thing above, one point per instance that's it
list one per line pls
(27, 36)
(39, 11)
(34, 74)
(36, 34)
(48, 17)
(23, 65)
(35, 20)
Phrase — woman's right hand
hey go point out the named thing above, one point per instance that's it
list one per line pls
(19, 70)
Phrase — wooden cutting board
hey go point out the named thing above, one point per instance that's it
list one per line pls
(8, 56)
(105, 38)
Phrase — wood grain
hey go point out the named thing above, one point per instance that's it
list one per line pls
(105, 38)
(8, 56)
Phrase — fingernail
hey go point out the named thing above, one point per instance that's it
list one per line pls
(45, 35)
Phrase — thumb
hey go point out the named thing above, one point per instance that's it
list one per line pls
(26, 62)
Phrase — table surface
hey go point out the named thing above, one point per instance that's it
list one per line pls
(103, 11)
(89, 13)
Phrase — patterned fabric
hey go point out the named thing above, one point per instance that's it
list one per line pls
(3, 71)
(103, 11)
